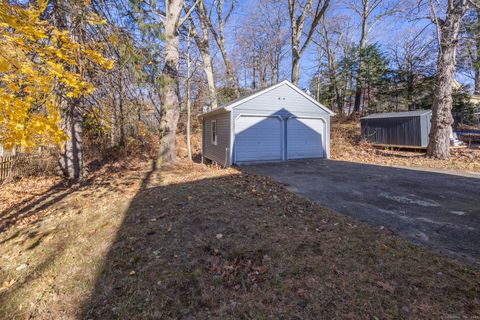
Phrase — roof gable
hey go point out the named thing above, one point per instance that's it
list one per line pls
(237, 102)
(285, 82)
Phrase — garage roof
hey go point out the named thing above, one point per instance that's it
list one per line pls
(236, 102)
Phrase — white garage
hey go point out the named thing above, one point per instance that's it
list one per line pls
(278, 123)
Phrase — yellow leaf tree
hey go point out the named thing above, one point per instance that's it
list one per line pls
(38, 68)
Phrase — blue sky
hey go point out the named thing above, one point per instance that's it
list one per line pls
(386, 33)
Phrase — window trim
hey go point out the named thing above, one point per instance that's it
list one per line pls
(214, 133)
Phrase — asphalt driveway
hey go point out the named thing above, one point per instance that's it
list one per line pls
(438, 209)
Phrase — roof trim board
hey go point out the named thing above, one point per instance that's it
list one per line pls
(240, 101)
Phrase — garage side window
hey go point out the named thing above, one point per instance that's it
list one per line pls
(214, 132)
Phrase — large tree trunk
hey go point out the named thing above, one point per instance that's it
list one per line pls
(442, 119)
(71, 156)
(169, 95)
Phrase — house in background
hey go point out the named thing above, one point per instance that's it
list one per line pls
(278, 123)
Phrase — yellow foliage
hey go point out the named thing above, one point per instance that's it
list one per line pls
(38, 66)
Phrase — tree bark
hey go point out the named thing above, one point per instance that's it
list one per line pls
(442, 120)
(189, 106)
(332, 69)
(169, 95)
(295, 65)
(203, 44)
(297, 29)
(361, 53)
(71, 156)
(219, 36)
(477, 54)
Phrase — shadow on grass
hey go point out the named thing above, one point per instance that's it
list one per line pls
(158, 266)
(56, 193)
(240, 247)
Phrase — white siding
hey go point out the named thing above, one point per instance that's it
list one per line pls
(220, 152)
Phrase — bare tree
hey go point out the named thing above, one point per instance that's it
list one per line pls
(329, 40)
(299, 11)
(370, 13)
(218, 33)
(262, 47)
(188, 92)
(448, 29)
(202, 39)
(411, 58)
(172, 20)
(67, 16)
(469, 48)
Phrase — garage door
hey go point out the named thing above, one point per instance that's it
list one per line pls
(258, 138)
(305, 138)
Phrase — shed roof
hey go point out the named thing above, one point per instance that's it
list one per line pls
(416, 113)
(252, 95)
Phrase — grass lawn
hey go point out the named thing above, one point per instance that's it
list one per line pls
(195, 242)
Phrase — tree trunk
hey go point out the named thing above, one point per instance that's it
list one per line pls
(169, 95)
(71, 156)
(208, 69)
(477, 81)
(332, 73)
(295, 64)
(442, 119)
(113, 120)
(361, 52)
(121, 141)
(219, 36)
(477, 55)
(203, 44)
(189, 107)
(296, 71)
(230, 73)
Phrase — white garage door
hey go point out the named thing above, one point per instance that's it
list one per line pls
(305, 138)
(258, 138)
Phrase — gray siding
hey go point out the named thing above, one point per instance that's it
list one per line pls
(219, 153)
(283, 101)
(404, 131)
(426, 126)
